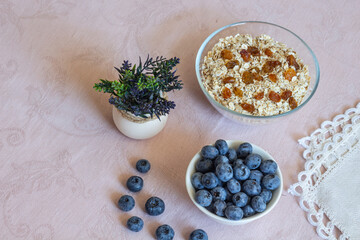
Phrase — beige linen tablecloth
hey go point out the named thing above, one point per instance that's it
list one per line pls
(63, 164)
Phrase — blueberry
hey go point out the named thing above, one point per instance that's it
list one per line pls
(222, 146)
(154, 206)
(219, 207)
(135, 224)
(248, 211)
(238, 162)
(244, 150)
(126, 203)
(143, 165)
(224, 172)
(234, 213)
(231, 155)
(209, 151)
(271, 181)
(164, 232)
(233, 186)
(268, 167)
(198, 234)
(251, 188)
(220, 159)
(253, 161)
(266, 195)
(258, 204)
(135, 183)
(209, 180)
(196, 180)
(241, 172)
(218, 193)
(240, 199)
(256, 175)
(203, 198)
(204, 165)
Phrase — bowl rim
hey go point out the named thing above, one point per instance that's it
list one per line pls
(213, 101)
(190, 189)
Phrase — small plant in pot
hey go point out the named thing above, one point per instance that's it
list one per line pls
(139, 99)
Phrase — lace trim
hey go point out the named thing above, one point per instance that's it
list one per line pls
(324, 151)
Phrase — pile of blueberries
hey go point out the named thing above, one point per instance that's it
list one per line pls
(154, 206)
(234, 183)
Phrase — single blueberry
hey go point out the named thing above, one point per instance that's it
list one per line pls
(268, 166)
(234, 213)
(222, 146)
(196, 180)
(204, 165)
(240, 199)
(135, 224)
(143, 165)
(244, 150)
(266, 195)
(238, 162)
(154, 206)
(224, 172)
(126, 203)
(218, 193)
(233, 186)
(220, 159)
(256, 175)
(251, 188)
(258, 204)
(198, 234)
(209, 180)
(164, 232)
(219, 207)
(231, 155)
(253, 161)
(203, 198)
(248, 211)
(241, 172)
(271, 181)
(135, 183)
(209, 151)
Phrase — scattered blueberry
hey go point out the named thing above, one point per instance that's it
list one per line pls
(234, 213)
(219, 208)
(266, 195)
(231, 155)
(240, 199)
(209, 151)
(244, 150)
(126, 203)
(203, 198)
(135, 183)
(233, 186)
(222, 146)
(218, 193)
(196, 180)
(154, 206)
(143, 165)
(251, 188)
(198, 234)
(241, 172)
(220, 159)
(164, 232)
(268, 167)
(238, 162)
(209, 180)
(224, 172)
(204, 165)
(135, 224)
(253, 161)
(258, 204)
(256, 175)
(271, 181)
(248, 211)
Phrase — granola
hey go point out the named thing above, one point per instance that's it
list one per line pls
(255, 76)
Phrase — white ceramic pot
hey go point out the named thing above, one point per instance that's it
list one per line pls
(135, 127)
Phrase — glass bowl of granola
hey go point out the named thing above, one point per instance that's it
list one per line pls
(255, 72)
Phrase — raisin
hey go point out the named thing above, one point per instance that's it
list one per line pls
(231, 64)
(257, 76)
(270, 65)
(248, 107)
(292, 62)
(286, 94)
(275, 97)
(289, 74)
(292, 102)
(254, 51)
(245, 55)
(226, 93)
(268, 52)
(238, 92)
(259, 96)
(273, 78)
(228, 80)
(247, 77)
(226, 54)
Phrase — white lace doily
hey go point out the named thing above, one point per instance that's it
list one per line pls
(329, 187)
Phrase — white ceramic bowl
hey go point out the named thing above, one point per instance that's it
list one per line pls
(275, 198)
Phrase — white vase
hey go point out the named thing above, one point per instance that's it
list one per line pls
(135, 127)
